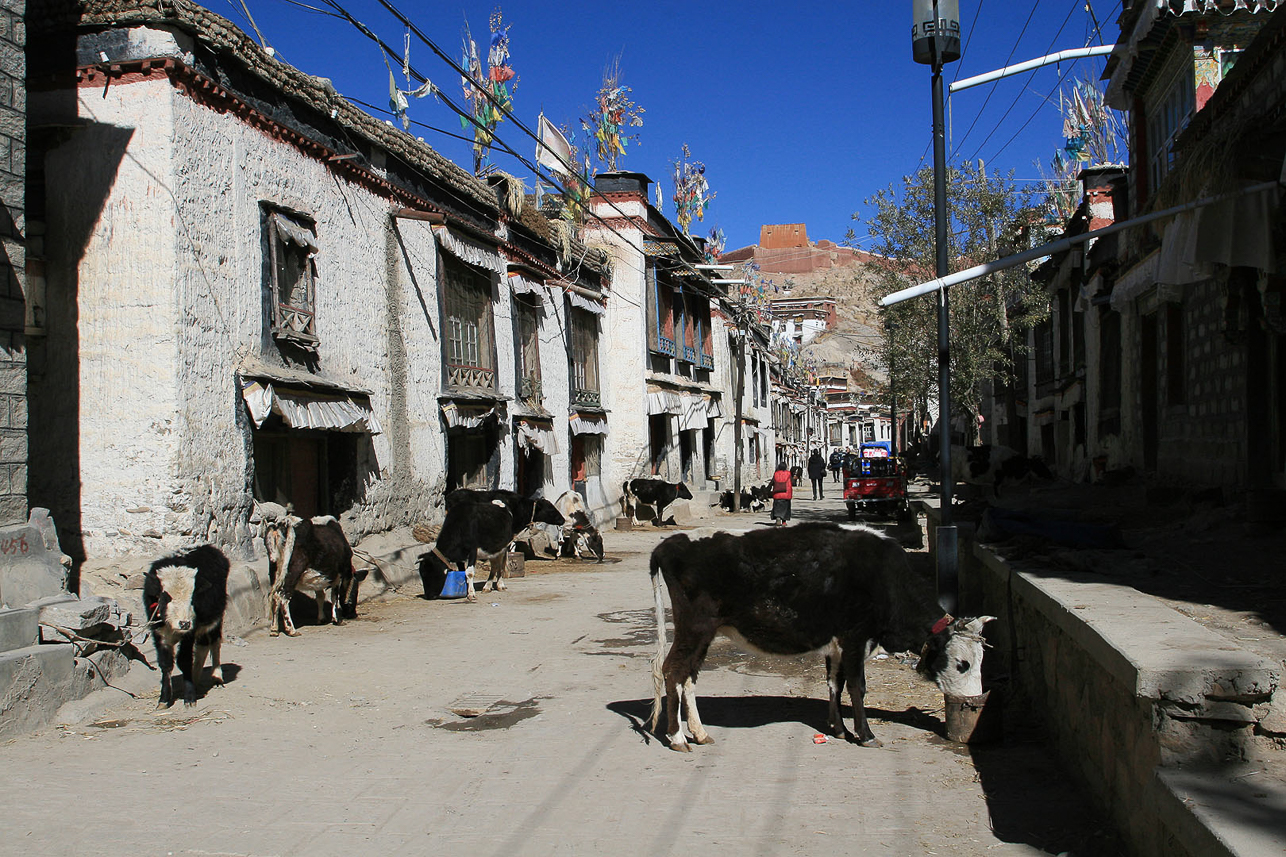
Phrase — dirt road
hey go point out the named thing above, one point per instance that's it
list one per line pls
(347, 741)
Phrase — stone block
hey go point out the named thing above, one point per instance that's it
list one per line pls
(31, 564)
(78, 615)
(34, 682)
(18, 628)
(681, 512)
(516, 564)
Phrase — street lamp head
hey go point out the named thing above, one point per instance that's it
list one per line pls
(935, 31)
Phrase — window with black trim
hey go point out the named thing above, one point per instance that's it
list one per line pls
(527, 323)
(584, 355)
(469, 332)
(292, 247)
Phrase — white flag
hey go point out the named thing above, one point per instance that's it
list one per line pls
(553, 152)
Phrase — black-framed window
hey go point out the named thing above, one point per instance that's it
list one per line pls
(584, 357)
(527, 313)
(292, 271)
(469, 333)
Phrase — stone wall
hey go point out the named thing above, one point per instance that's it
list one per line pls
(13, 359)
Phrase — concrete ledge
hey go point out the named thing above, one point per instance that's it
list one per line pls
(1145, 645)
(1235, 810)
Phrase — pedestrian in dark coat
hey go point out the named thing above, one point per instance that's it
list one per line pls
(817, 472)
(836, 463)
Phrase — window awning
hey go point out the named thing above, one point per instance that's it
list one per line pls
(470, 251)
(293, 233)
(301, 409)
(695, 413)
(583, 423)
(586, 304)
(537, 434)
(714, 407)
(663, 402)
(520, 285)
(468, 416)
(1134, 282)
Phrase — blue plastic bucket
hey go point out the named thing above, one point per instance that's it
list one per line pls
(455, 586)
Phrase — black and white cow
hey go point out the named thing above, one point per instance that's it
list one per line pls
(185, 596)
(989, 465)
(578, 532)
(813, 587)
(476, 527)
(311, 556)
(656, 493)
(754, 498)
(527, 512)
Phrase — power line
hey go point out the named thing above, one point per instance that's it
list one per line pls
(992, 91)
(1030, 77)
(366, 31)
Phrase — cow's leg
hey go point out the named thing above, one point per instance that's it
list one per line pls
(835, 683)
(855, 670)
(165, 663)
(320, 596)
(291, 630)
(337, 602)
(681, 664)
(215, 639)
(469, 572)
(188, 667)
(495, 578)
(699, 734)
(274, 614)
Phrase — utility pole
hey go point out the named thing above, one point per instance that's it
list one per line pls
(935, 41)
(736, 426)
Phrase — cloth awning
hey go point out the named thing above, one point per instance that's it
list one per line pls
(470, 251)
(582, 423)
(537, 434)
(695, 413)
(714, 407)
(520, 285)
(1134, 282)
(663, 402)
(301, 409)
(459, 415)
(586, 304)
(292, 232)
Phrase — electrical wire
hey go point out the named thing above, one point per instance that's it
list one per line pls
(1031, 76)
(996, 83)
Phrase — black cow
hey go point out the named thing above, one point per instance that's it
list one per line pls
(578, 529)
(992, 465)
(310, 556)
(656, 493)
(755, 498)
(478, 527)
(526, 511)
(842, 590)
(185, 596)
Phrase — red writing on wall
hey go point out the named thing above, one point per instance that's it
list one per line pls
(17, 544)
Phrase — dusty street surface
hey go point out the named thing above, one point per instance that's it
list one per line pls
(343, 741)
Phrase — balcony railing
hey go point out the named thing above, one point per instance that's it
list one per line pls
(295, 323)
(706, 361)
(689, 354)
(587, 398)
(665, 345)
(471, 376)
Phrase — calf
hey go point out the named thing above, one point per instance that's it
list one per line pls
(578, 530)
(755, 498)
(812, 587)
(473, 530)
(656, 493)
(989, 465)
(185, 596)
(310, 556)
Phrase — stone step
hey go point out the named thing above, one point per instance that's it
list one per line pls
(18, 628)
(23, 670)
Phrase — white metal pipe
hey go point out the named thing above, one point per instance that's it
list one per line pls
(1057, 247)
(1069, 54)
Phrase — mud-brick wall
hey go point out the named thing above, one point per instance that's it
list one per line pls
(1212, 418)
(13, 355)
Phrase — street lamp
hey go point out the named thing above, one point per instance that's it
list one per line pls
(935, 41)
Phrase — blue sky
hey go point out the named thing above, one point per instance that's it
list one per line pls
(800, 111)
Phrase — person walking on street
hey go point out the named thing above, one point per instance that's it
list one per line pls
(817, 472)
(836, 462)
(781, 494)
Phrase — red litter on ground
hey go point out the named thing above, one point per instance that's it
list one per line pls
(819, 738)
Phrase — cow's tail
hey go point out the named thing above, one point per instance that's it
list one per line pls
(658, 677)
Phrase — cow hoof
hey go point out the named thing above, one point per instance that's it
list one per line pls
(704, 739)
(500, 587)
(685, 747)
(216, 675)
(871, 742)
(274, 633)
(291, 632)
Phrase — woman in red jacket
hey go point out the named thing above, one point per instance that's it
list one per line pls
(781, 494)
